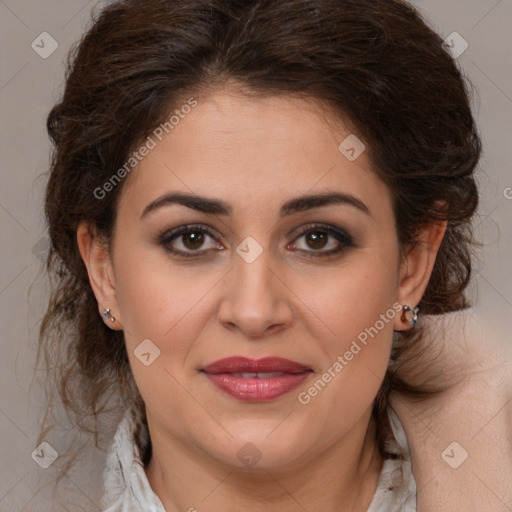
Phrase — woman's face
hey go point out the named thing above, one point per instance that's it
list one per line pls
(247, 282)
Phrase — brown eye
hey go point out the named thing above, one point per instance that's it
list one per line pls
(188, 241)
(325, 240)
(193, 240)
(316, 239)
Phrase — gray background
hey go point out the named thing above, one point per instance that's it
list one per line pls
(29, 85)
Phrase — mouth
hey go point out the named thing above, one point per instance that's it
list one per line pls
(256, 380)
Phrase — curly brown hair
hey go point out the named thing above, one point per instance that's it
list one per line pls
(376, 64)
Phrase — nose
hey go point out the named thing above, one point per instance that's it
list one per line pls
(256, 299)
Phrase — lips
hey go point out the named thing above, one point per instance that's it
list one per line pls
(256, 380)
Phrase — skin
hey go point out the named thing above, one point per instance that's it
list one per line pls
(255, 154)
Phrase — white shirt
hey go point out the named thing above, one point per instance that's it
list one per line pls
(127, 488)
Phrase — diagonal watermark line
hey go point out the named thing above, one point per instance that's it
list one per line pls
(75, 15)
(486, 14)
(216, 487)
(95, 505)
(486, 216)
(488, 488)
(217, 217)
(508, 401)
(12, 280)
(198, 301)
(13, 218)
(492, 81)
(197, 401)
(12, 488)
(310, 189)
(411, 411)
(8, 418)
(170, 170)
(320, 347)
(13, 13)
(280, 423)
(286, 491)
(30, 501)
(494, 288)
(332, 332)
(6, 84)
(418, 491)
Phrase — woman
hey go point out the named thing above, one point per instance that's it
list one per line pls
(251, 206)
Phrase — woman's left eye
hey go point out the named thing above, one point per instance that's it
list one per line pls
(189, 241)
(322, 237)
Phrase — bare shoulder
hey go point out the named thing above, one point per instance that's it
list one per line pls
(461, 439)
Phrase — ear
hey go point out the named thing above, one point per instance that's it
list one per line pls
(96, 256)
(416, 269)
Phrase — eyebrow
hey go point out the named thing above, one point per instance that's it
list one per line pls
(219, 207)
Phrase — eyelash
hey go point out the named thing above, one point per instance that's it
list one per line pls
(340, 235)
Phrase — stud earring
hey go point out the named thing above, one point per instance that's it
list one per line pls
(106, 314)
(414, 314)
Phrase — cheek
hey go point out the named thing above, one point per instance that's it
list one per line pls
(355, 313)
(347, 300)
(168, 306)
(356, 364)
(154, 296)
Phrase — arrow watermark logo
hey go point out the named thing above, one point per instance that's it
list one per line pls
(146, 352)
(44, 45)
(40, 248)
(455, 45)
(249, 455)
(454, 455)
(249, 249)
(45, 455)
(352, 148)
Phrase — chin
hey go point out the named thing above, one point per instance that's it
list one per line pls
(261, 444)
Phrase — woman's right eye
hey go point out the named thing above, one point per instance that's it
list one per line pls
(188, 241)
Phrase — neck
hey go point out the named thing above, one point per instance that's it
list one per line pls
(345, 474)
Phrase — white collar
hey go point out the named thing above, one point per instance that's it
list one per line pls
(127, 488)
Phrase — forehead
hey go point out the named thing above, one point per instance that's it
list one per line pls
(253, 151)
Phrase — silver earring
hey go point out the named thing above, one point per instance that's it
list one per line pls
(106, 314)
(414, 314)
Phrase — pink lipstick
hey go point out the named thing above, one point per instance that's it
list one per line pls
(256, 380)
